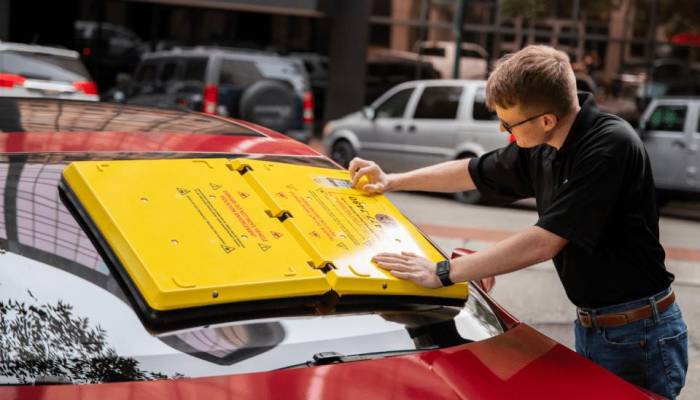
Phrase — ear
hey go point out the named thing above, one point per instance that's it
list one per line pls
(550, 121)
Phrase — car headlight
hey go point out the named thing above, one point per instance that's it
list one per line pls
(327, 129)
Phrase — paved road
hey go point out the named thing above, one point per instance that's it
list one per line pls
(535, 295)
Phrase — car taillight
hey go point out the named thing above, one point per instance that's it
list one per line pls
(87, 87)
(511, 138)
(211, 97)
(308, 107)
(11, 80)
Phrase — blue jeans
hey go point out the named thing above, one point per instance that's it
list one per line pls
(651, 353)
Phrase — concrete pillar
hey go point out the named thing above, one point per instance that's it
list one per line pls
(349, 37)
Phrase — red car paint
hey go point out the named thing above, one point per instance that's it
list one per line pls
(520, 363)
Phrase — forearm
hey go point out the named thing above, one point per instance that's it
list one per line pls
(447, 177)
(521, 250)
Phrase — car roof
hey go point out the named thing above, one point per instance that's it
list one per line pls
(448, 82)
(206, 51)
(31, 48)
(31, 125)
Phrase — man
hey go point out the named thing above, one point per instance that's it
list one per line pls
(598, 218)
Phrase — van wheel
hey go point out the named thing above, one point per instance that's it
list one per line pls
(470, 196)
(342, 152)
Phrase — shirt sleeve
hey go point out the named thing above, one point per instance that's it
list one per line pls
(582, 206)
(501, 176)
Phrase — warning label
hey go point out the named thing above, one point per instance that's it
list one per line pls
(213, 218)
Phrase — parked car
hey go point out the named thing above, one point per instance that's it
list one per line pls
(416, 124)
(259, 87)
(71, 329)
(670, 129)
(109, 48)
(40, 71)
(441, 54)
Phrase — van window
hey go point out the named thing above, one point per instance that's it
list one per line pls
(480, 111)
(395, 105)
(667, 118)
(439, 102)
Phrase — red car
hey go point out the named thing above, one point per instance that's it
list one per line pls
(68, 329)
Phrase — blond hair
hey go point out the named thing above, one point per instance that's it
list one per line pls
(536, 78)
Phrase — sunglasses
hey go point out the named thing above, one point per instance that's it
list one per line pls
(509, 128)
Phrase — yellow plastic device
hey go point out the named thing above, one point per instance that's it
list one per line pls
(200, 232)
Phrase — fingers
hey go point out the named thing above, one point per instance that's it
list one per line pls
(371, 170)
(357, 163)
(373, 188)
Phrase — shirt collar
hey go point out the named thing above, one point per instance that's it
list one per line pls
(582, 123)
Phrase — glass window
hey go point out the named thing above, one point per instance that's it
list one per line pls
(147, 72)
(169, 72)
(667, 118)
(43, 66)
(195, 69)
(439, 102)
(395, 105)
(239, 73)
(480, 111)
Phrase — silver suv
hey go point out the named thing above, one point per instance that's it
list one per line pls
(670, 128)
(258, 87)
(40, 71)
(416, 124)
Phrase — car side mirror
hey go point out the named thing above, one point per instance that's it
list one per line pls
(369, 113)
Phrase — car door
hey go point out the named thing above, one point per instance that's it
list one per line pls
(381, 138)
(666, 138)
(429, 135)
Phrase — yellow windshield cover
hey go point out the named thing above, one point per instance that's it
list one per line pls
(199, 232)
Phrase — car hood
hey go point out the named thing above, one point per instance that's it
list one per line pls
(521, 363)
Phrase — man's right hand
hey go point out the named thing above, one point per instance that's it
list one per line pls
(377, 181)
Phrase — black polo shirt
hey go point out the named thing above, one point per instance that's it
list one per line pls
(597, 192)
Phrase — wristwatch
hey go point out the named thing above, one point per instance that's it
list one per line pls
(442, 270)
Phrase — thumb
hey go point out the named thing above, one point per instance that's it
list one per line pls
(373, 188)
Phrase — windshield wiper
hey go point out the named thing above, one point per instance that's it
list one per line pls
(332, 357)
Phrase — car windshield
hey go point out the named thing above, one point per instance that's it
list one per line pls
(64, 318)
(43, 66)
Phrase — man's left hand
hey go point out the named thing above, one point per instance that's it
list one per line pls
(409, 266)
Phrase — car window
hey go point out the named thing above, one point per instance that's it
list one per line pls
(65, 316)
(481, 112)
(394, 106)
(239, 73)
(438, 102)
(433, 51)
(667, 118)
(147, 72)
(195, 69)
(169, 71)
(43, 66)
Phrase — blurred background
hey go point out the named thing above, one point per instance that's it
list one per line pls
(625, 51)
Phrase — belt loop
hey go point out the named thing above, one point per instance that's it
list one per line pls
(654, 309)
